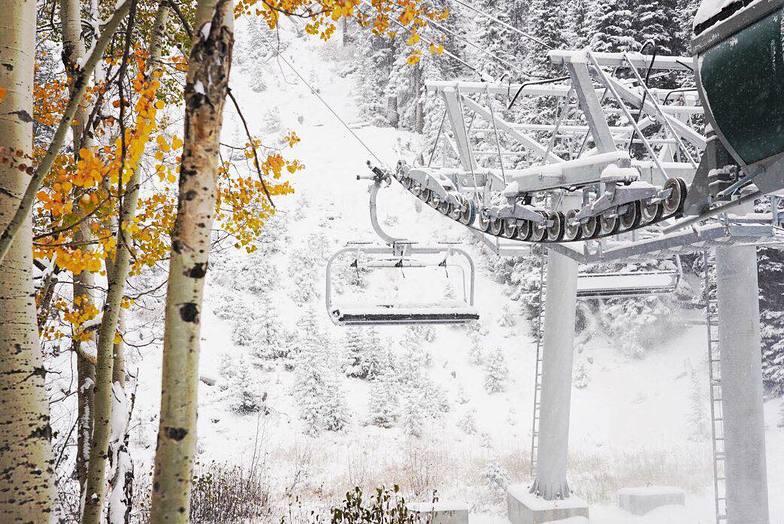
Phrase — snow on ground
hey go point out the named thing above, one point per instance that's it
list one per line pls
(629, 425)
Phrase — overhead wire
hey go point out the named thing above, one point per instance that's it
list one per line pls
(482, 75)
(510, 27)
(324, 102)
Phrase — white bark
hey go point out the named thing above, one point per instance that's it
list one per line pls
(25, 448)
(209, 66)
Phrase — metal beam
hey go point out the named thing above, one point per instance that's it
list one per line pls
(666, 63)
(525, 140)
(591, 105)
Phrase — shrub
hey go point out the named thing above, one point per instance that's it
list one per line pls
(385, 506)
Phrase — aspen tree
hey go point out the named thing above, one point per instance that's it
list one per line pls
(110, 382)
(26, 474)
(205, 94)
(83, 282)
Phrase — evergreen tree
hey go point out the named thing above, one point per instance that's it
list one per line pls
(320, 398)
(269, 339)
(547, 21)
(657, 21)
(377, 55)
(496, 372)
(384, 408)
(241, 391)
(611, 26)
(363, 353)
(579, 23)
(771, 283)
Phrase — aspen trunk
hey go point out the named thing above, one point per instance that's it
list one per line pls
(84, 282)
(111, 394)
(25, 448)
(205, 94)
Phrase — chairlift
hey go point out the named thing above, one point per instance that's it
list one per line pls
(386, 313)
(629, 285)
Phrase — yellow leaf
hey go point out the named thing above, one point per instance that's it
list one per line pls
(414, 58)
(413, 39)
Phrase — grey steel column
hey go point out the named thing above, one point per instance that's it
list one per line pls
(557, 359)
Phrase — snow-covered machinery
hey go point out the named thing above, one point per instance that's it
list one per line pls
(740, 64)
(605, 153)
(403, 259)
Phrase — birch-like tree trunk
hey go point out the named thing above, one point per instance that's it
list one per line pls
(84, 282)
(205, 94)
(26, 474)
(113, 402)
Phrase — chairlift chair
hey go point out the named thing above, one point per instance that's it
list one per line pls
(386, 313)
(628, 285)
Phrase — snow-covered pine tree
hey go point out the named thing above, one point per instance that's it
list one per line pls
(384, 404)
(242, 393)
(494, 37)
(687, 9)
(579, 23)
(657, 21)
(496, 372)
(269, 338)
(611, 26)
(320, 399)
(412, 413)
(547, 21)
(376, 58)
(771, 284)
(364, 356)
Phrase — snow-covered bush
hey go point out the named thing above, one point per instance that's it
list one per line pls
(496, 372)
(467, 423)
(508, 318)
(261, 331)
(496, 479)
(228, 306)
(581, 376)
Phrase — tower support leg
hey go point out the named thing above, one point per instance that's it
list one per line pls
(557, 359)
(549, 497)
(741, 384)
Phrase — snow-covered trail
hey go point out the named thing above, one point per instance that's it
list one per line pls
(632, 410)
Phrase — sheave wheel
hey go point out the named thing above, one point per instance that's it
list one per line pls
(510, 228)
(608, 224)
(524, 230)
(482, 222)
(673, 204)
(590, 228)
(630, 218)
(467, 213)
(555, 231)
(496, 225)
(572, 229)
(538, 231)
(650, 213)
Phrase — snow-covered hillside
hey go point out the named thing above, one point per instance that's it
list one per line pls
(458, 401)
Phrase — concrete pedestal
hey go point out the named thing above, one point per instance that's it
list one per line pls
(526, 508)
(639, 501)
(441, 512)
